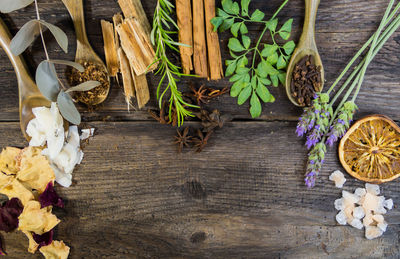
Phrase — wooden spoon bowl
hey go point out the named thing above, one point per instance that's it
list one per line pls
(306, 46)
(29, 94)
(84, 51)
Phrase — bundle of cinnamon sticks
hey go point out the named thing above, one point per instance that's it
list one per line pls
(129, 51)
(202, 52)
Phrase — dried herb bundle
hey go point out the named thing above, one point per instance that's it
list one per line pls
(46, 77)
(268, 62)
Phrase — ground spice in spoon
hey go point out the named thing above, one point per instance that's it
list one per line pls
(306, 80)
(92, 72)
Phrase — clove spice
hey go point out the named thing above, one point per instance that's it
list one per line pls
(306, 80)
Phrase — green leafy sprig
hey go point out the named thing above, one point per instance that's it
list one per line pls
(268, 62)
(161, 37)
(46, 76)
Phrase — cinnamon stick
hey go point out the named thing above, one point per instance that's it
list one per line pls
(214, 51)
(109, 48)
(199, 40)
(185, 24)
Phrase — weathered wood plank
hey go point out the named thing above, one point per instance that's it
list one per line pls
(243, 197)
(342, 28)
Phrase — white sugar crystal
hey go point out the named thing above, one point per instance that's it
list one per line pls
(371, 202)
(341, 218)
(338, 178)
(339, 204)
(87, 133)
(358, 212)
(382, 226)
(360, 192)
(372, 188)
(348, 211)
(372, 232)
(367, 221)
(378, 218)
(349, 198)
(356, 223)
(388, 204)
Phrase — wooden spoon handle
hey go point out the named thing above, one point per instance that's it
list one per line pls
(18, 63)
(75, 9)
(309, 22)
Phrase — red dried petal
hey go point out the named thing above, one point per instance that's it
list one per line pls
(9, 213)
(50, 198)
(44, 239)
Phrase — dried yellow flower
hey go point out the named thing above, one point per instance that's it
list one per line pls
(37, 220)
(14, 189)
(33, 246)
(56, 250)
(35, 170)
(8, 160)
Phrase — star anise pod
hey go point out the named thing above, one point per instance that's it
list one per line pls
(201, 141)
(183, 139)
(210, 121)
(200, 95)
(163, 117)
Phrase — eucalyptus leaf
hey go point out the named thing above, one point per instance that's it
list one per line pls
(75, 65)
(67, 108)
(86, 86)
(58, 34)
(8, 6)
(25, 37)
(47, 81)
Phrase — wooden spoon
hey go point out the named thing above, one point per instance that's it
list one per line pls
(306, 46)
(29, 94)
(84, 51)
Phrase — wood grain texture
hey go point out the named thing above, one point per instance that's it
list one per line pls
(243, 197)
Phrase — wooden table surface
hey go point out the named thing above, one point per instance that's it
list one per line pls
(244, 196)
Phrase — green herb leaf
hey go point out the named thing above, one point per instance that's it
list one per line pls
(263, 93)
(46, 80)
(268, 68)
(245, 94)
(269, 50)
(242, 70)
(236, 77)
(287, 26)
(8, 6)
(245, 7)
(254, 82)
(264, 81)
(222, 14)
(226, 24)
(281, 64)
(275, 80)
(227, 6)
(243, 29)
(242, 62)
(284, 35)
(235, 8)
(289, 47)
(257, 16)
(237, 88)
(230, 69)
(235, 45)
(217, 21)
(235, 28)
(255, 106)
(282, 78)
(272, 25)
(273, 59)
(67, 108)
(246, 41)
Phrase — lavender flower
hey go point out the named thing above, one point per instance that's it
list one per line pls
(315, 160)
(306, 122)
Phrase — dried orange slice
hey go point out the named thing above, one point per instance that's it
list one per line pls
(370, 150)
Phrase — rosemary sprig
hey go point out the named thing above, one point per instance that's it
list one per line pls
(163, 27)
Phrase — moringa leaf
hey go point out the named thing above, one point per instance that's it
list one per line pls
(243, 29)
(287, 26)
(25, 37)
(230, 69)
(245, 94)
(269, 50)
(216, 21)
(246, 41)
(284, 35)
(226, 24)
(263, 92)
(8, 6)
(273, 59)
(67, 108)
(235, 45)
(255, 106)
(289, 47)
(58, 34)
(235, 28)
(47, 81)
(281, 64)
(75, 65)
(257, 16)
(86, 86)
(245, 7)
(272, 25)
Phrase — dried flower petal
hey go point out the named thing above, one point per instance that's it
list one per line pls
(14, 189)
(56, 250)
(50, 198)
(9, 213)
(44, 239)
(36, 219)
(33, 246)
(8, 160)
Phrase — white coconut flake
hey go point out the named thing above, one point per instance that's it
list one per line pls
(372, 188)
(338, 178)
(87, 133)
